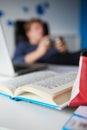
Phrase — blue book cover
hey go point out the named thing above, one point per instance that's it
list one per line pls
(20, 98)
(78, 121)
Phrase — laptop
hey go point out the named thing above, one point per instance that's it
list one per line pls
(13, 69)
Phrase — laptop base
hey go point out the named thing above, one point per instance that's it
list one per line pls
(21, 69)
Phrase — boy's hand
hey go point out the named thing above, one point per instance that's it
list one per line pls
(60, 45)
(42, 49)
(44, 46)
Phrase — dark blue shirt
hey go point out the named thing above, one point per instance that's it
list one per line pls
(25, 48)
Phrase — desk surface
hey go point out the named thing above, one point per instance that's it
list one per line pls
(28, 116)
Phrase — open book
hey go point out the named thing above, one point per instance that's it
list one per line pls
(44, 87)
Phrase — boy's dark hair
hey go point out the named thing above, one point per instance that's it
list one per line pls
(28, 24)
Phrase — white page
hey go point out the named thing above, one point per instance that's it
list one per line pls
(27, 79)
(56, 83)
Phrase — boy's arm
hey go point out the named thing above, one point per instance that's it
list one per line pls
(42, 49)
(32, 57)
(36, 55)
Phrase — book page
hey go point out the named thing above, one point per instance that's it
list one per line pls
(16, 82)
(55, 84)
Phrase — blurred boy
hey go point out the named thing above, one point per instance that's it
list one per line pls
(38, 48)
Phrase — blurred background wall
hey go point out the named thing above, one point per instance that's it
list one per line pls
(63, 17)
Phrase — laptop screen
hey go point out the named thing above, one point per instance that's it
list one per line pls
(6, 67)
